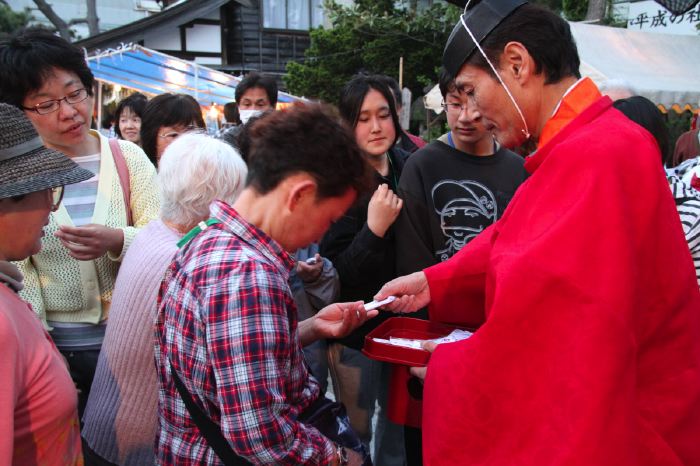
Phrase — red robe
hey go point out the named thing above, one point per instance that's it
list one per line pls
(589, 348)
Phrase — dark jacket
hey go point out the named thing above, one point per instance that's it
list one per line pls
(364, 261)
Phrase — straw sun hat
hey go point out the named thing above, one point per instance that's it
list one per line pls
(26, 165)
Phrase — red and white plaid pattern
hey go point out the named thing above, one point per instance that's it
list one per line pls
(227, 321)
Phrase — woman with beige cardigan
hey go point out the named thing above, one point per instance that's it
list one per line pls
(69, 283)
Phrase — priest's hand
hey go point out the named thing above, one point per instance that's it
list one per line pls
(421, 372)
(412, 293)
(334, 321)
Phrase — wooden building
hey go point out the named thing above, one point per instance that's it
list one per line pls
(237, 36)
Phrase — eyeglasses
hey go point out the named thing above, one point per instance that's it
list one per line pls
(51, 106)
(55, 193)
(56, 197)
(171, 135)
(454, 108)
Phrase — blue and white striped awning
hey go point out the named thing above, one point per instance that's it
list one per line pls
(152, 72)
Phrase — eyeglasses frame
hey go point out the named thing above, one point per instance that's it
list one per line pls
(35, 108)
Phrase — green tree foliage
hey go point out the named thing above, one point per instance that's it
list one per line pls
(574, 10)
(11, 21)
(371, 36)
(554, 5)
(380, 6)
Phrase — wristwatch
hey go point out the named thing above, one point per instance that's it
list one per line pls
(342, 455)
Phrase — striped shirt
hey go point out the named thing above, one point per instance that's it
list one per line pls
(687, 199)
(79, 198)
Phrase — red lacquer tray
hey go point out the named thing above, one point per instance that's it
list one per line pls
(404, 408)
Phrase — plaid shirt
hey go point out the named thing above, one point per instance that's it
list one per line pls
(227, 322)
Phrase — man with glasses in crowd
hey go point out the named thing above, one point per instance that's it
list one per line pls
(452, 190)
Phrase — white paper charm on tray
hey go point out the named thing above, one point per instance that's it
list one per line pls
(456, 335)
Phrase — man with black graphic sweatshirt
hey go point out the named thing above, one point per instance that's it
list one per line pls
(453, 188)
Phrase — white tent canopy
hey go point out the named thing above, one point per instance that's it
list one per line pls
(664, 68)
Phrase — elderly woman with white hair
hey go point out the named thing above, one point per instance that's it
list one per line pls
(121, 415)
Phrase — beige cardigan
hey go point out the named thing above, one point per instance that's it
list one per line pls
(63, 289)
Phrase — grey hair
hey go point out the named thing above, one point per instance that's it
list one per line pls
(195, 170)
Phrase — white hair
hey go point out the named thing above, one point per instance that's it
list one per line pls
(195, 170)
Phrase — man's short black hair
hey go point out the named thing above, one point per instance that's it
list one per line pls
(546, 36)
(167, 110)
(446, 83)
(253, 80)
(287, 142)
(136, 102)
(353, 96)
(29, 58)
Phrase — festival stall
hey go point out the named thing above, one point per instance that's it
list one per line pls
(133, 67)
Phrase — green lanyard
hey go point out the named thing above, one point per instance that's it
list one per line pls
(201, 226)
(393, 173)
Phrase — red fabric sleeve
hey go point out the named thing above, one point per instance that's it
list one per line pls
(457, 285)
(589, 355)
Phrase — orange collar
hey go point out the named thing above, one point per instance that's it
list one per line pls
(578, 98)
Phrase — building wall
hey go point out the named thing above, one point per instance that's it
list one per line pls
(250, 47)
(200, 41)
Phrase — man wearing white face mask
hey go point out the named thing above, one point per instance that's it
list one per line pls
(255, 94)
(588, 351)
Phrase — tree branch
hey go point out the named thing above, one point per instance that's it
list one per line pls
(92, 19)
(51, 15)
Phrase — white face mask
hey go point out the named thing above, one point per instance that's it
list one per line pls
(246, 115)
(525, 129)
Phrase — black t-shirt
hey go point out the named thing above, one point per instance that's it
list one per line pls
(450, 197)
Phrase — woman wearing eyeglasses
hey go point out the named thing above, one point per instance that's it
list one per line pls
(69, 283)
(166, 117)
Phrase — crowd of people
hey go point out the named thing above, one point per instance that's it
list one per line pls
(171, 297)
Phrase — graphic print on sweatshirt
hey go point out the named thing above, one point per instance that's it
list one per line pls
(465, 208)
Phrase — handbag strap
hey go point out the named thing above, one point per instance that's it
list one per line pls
(210, 430)
(124, 181)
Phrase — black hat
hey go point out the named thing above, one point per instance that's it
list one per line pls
(481, 19)
(26, 165)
